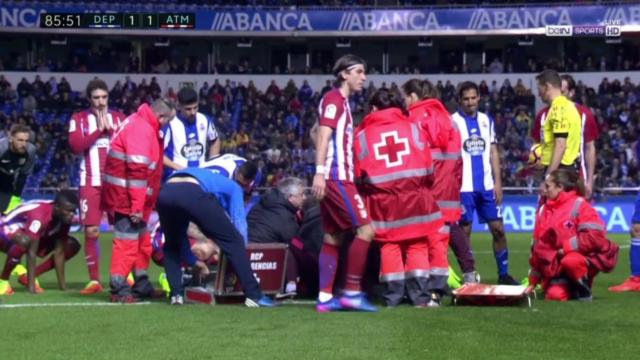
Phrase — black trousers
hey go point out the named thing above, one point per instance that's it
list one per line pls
(181, 203)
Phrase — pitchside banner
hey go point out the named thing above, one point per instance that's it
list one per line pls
(436, 21)
(519, 213)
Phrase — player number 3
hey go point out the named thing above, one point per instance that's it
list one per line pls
(363, 211)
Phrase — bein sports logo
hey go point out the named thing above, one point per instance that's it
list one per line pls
(583, 30)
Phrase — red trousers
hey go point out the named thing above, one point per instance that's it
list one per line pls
(415, 258)
(403, 259)
(131, 248)
(439, 252)
(573, 267)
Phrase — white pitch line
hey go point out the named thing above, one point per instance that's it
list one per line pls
(298, 302)
(72, 304)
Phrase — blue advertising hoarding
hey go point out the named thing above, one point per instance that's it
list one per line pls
(519, 212)
(438, 20)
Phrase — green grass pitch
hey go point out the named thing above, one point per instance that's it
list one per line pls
(606, 328)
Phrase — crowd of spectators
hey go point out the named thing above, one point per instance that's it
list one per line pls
(105, 59)
(271, 125)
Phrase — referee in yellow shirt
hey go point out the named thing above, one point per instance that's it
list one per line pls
(562, 128)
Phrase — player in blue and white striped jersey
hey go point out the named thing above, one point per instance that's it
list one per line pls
(191, 138)
(481, 177)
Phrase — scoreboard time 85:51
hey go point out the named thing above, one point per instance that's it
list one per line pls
(118, 20)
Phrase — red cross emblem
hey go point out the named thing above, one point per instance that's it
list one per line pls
(391, 148)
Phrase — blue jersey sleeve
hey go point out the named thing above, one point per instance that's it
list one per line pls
(237, 211)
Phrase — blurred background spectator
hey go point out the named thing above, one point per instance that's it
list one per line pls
(272, 126)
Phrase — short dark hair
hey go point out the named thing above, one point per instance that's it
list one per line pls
(19, 128)
(385, 99)
(467, 85)
(248, 170)
(96, 84)
(345, 62)
(551, 77)
(66, 196)
(571, 83)
(423, 89)
(187, 95)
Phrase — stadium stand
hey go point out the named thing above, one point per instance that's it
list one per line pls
(271, 125)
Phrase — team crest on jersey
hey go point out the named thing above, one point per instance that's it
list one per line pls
(330, 111)
(474, 145)
(35, 226)
(192, 150)
(201, 127)
(22, 161)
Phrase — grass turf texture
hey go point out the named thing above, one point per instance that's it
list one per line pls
(573, 330)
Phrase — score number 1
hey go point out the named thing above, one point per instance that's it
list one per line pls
(149, 21)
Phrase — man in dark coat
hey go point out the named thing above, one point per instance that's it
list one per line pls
(276, 218)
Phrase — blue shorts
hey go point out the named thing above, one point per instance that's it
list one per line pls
(635, 219)
(482, 202)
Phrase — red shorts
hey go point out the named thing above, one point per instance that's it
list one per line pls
(90, 206)
(342, 208)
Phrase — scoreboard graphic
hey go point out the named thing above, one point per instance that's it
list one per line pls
(119, 20)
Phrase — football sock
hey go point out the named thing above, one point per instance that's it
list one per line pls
(356, 262)
(13, 258)
(328, 265)
(502, 260)
(634, 257)
(92, 254)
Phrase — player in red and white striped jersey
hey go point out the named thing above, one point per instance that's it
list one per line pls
(89, 134)
(341, 206)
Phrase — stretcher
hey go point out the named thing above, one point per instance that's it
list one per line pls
(492, 295)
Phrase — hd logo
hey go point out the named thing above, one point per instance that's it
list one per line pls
(192, 150)
(474, 145)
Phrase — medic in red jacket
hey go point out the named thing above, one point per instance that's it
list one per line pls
(393, 168)
(132, 176)
(444, 141)
(570, 246)
(445, 144)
